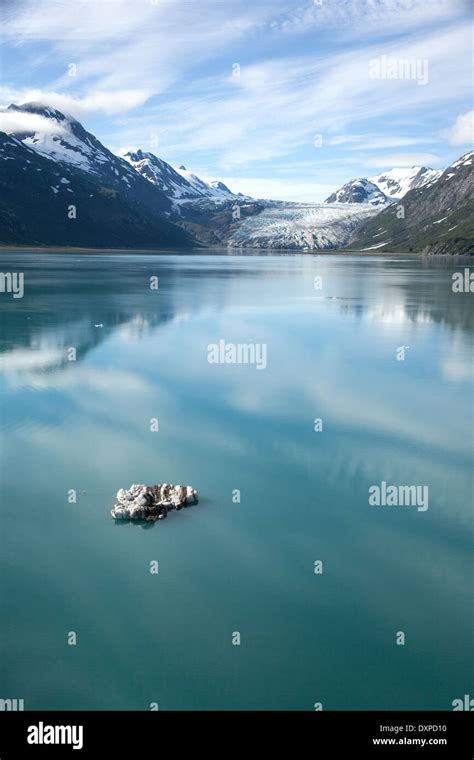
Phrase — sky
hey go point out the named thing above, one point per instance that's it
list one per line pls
(284, 99)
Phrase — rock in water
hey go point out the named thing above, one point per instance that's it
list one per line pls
(141, 502)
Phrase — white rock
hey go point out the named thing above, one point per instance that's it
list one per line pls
(132, 504)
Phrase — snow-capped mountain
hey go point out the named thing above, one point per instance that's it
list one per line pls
(397, 182)
(181, 186)
(457, 166)
(438, 216)
(64, 139)
(359, 191)
(49, 163)
(221, 188)
(386, 187)
(61, 138)
(161, 174)
(60, 186)
(215, 191)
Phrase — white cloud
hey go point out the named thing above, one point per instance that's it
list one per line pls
(375, 18)
(110, 103)
(462, 132)
(21, 359)
(118, 44)
(457, 368)
(174, 60)
(13, 121)
(277, 106)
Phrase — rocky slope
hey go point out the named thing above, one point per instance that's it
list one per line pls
(359, 191)
(386, 187)
(435, 218)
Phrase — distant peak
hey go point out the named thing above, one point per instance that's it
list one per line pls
(360, 190)
(220, 186)
(135, 155)
(183, 168)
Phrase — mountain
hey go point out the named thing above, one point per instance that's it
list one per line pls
(181, 186)
(359, 191)
(397, 182)
(434, 218)
(50, 164)
(57, 164)
(63, 139)
(214, 191)
(209, 211)
(221, 188)
(386, 187)
(162, 175)
(149, 203)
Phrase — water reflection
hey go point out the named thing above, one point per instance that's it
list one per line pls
(228, 566)
(80, 301)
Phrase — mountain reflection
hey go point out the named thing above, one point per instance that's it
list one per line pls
(80, 301)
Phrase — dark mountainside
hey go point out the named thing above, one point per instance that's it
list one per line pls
(438, 219)
(114, 206)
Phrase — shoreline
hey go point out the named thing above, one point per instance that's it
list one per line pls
(247, 251)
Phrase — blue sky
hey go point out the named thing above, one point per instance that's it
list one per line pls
(278, 98)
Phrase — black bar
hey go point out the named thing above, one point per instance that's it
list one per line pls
(325, 734)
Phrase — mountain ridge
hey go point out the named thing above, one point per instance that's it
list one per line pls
(386, 187)
(180, 185)
(138, 199)
(447, 203)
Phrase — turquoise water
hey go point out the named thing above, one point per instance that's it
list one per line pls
(227, 567)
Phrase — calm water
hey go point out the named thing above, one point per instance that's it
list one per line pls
(225, 566)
